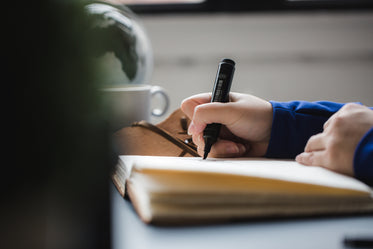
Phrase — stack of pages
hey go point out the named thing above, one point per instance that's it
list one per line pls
(180, 190)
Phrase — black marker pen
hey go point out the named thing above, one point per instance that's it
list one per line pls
(220, 93)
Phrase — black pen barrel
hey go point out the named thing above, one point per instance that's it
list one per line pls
(220, 93)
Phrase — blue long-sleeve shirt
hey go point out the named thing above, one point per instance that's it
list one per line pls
(296, 121)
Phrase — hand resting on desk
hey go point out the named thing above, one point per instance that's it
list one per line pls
(334, 148)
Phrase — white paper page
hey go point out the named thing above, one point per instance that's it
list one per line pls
(287, 170)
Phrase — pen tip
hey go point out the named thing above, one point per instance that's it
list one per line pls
(205, 155)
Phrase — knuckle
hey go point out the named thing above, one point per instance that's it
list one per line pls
(326, 124)
(350, 106)
(185, 104)
(313, 139)
(199, 111)
(339, 121)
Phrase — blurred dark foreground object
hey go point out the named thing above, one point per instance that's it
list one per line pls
(56, 147)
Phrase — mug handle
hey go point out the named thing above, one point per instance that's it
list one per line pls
(157, 112)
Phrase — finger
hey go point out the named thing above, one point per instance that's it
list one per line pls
(323, 159)
(196, 129)
(189, 104)
(316, 142)
(226, 148)
(216, 112)
(330, 120)
(206, 114)
(327, 123)
(198, 140)
(314, 158)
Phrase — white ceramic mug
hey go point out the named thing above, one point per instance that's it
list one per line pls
(133, 102)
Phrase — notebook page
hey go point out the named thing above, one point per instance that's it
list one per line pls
(287, 170)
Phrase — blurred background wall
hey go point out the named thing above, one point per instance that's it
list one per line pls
(306, 55)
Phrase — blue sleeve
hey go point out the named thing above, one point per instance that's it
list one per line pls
(363, 159)
(294, 123)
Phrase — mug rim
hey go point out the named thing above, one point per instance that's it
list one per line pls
(127, 87)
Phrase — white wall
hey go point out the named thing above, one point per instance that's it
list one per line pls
(284, 56)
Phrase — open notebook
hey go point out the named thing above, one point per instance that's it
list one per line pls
(178, 190)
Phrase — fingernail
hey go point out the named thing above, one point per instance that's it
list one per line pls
(232, 149)
(241, 149)
(199, 138)
(299, 158)
(191, 128)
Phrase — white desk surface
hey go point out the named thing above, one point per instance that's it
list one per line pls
(128, 231)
